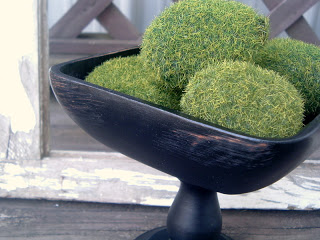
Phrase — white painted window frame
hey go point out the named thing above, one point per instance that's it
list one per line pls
(31, 170)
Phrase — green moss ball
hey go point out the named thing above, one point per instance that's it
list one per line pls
(129, 75)
(187, 35)
(246, 98)
(300, 63)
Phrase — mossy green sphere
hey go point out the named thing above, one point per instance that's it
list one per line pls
(185, 37)
(300, 63)
(129, 75)
(246, 98)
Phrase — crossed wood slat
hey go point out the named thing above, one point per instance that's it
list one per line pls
(64, 34)
(285, 15)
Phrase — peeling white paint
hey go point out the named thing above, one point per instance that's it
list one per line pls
(14, 169)
(112, 181)
(312, 161)
(12, 182)
(46, 183)
(14, 102)
(35, 170)
(311, 178)
(67, 195)
(69, 184)
(157, 201)
(129, 177)
(163, 187)
(14, 177)
(284, 194)
(21, 46)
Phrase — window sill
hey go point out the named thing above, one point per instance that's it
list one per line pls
(114, 178)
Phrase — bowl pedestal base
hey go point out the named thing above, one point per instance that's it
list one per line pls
(162, 234)
(194, 215)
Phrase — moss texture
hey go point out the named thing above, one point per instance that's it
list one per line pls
(129, 75)
(186, 36)
(300, 62)
(246, 98)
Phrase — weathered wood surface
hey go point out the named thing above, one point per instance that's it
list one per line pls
(44, 86)
(5, 136)
(52, 220)
(114, 178)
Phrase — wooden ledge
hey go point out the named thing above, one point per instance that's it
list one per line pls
(114, 178)
(48, 220)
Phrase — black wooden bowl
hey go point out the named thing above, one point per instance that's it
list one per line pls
(205, 157)
(196, 152)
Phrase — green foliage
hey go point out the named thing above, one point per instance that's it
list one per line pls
(189, 34)
(129, 75)
(300, 63)
(246, 98)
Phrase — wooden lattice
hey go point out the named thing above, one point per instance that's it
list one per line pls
(64, 35)
(285, 15)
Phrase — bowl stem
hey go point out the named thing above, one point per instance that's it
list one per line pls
(194, 214)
